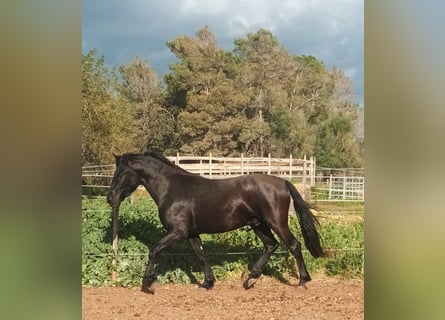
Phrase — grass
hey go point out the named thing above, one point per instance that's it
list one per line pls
(230, 254)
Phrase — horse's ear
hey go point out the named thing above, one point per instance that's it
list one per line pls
(117, 159)
(125, 158)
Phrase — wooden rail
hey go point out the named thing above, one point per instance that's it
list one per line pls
(301, 170)
(222, 167)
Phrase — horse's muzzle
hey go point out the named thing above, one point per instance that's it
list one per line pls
(112, 199)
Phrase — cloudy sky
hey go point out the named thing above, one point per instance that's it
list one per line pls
(330, 30)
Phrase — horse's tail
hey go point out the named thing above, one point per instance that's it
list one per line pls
(307, 222)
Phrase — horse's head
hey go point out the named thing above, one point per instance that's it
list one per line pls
(125, 181)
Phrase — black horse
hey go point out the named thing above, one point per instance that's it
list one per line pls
(189, 205)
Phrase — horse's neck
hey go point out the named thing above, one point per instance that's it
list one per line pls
(157, 182)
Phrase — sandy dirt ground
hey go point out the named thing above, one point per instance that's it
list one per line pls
(325, 298)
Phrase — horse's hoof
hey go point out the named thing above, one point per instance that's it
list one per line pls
(249, 283)
(207, 284)
(147, 290)
(302, 285)
(148, 281)
(303, 281)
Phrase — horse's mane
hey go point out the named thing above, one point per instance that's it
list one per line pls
(164, 160)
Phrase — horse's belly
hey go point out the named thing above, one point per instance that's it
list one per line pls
(218, 221)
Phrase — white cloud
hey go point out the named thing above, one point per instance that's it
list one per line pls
(208, 8)
(330, 16)
(331, 30)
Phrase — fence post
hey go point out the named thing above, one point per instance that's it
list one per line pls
(115, 244)
(177, 158)
(290, 167)
(242, 163)
(344, 187)
(268, 162)
(330, 187)
(312, 171)
(210, 165)
(304, 177)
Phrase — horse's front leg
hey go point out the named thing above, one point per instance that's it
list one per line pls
(209, 280)
(150, 276)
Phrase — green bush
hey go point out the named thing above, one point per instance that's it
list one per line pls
(230, 254)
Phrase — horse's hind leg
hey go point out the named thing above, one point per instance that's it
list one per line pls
(295, 247)
(270, 245)
(209, 280)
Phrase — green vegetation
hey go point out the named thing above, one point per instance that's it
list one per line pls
(255, 99)
(139, 228)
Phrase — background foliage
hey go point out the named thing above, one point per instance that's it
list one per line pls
(255, 99)
(139, 228)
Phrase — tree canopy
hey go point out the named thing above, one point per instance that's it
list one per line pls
(254, 100)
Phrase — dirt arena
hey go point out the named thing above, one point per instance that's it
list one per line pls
(325, 298)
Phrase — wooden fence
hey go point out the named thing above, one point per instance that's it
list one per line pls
(222, 167)
(299, 170)
(345, 184)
